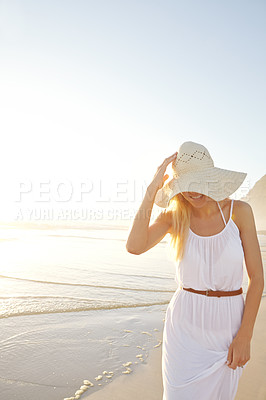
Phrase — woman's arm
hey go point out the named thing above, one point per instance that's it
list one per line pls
(142, 237)
(254, 267)
(148, 236)
(239, 351)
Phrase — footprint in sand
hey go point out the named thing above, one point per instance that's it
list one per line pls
(127, 364)
(84, 387)
(88, 383)
(147, 333)
(79, 392)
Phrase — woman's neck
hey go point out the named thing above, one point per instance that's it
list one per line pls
(206, 211)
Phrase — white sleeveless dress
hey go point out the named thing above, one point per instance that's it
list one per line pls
(198, 330)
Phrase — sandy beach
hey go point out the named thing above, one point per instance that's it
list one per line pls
(64, 322)
(146, 381)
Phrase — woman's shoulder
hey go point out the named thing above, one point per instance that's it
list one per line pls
(242, 213)
(165, 216)
(242, 207)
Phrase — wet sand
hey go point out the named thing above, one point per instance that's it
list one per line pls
(146, 381)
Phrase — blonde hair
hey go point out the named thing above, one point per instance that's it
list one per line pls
(180, 210)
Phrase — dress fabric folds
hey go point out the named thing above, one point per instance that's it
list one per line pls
(198, 329)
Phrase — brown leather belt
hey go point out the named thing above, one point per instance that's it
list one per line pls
(216, 293)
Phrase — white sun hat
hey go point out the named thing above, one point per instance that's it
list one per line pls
(194, 171)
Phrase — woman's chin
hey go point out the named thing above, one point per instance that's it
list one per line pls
(198, 201)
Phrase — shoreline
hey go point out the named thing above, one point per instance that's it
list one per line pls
(54, 353)
(147, 380)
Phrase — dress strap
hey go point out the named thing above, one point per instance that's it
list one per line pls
(221, 212)
(231, 209)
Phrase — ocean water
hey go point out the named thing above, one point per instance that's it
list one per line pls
(74, 302)
(70, 270)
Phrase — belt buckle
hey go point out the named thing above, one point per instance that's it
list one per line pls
(207, 292)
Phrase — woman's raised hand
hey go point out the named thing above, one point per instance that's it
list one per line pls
(159, 177)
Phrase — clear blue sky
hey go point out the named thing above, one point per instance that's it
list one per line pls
(108, 89)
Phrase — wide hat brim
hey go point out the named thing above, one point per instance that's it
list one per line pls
(216, 183)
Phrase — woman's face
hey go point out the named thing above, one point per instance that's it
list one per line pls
(196, 199)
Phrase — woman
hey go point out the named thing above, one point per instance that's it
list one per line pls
(208, 324)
